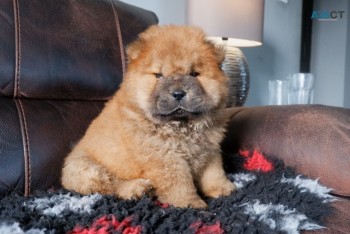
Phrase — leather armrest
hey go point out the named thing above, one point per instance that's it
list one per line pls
(314, 139)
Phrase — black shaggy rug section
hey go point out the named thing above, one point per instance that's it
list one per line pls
(270, 198)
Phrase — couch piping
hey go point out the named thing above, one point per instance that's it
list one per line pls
(17, 47)
(26, 149)
(120, 38)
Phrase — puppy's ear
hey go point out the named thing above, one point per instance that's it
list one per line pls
(220, 51)
(133, 50)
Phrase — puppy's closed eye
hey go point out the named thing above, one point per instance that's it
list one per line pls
(158, 75)
(194, 73)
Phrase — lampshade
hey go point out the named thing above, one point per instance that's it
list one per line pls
(239, 22)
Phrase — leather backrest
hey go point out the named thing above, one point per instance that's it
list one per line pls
(58, 59)
(66, 49)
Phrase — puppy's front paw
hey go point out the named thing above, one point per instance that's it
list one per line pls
(133, 188)
(223, 188)
(198, 204)
(182, 202)
(193, 203)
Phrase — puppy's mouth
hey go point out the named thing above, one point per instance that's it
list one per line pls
(179, 114)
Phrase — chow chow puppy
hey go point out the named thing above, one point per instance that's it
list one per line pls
(163, 127)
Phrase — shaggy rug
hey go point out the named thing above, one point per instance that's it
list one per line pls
(270, 198)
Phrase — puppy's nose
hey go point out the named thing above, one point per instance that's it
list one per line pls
(178, 94)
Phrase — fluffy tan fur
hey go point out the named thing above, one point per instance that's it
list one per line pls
(138, 142)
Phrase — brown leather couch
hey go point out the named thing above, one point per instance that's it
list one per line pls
(60, 60)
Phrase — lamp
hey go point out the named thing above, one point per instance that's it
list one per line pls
(233, 23)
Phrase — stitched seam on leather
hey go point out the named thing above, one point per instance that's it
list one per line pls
(120, 39)
(17, 47)
(26, 151)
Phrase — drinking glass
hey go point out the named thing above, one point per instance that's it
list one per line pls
(278, 92)
(301, 88)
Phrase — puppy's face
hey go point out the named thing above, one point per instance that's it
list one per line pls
(175, 74)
